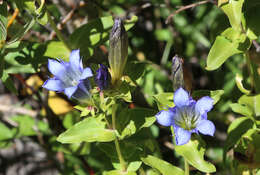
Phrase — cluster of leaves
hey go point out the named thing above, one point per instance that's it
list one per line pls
(86, 135)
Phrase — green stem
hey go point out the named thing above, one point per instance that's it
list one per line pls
(187, 169)
(119, 154)
(252, 68)
(166, 52)
(248, 62)
(58, 33)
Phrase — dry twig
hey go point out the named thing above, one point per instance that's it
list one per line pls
(185, 8)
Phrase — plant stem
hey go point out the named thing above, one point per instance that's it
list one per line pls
(253, 74)
(186, 166)
(58, 33)
(166, 52)
(119, 154)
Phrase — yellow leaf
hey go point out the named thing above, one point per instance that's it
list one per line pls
(35, 82)
(58, 105)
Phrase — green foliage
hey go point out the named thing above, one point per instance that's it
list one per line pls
(3, 22)
(193, 152)
(94, 33)
(87, 135)
(89, 130)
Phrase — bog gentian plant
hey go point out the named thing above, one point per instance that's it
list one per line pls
(69, 77)
(102, 77)
(187, 117)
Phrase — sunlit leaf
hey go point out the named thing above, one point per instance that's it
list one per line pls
(89, 130)
(26, 125)
(241, 109)
(119, 172)
(193, 152)
(164, 100)
(57, 50)
(3, 21)
(5, 132)
(162, 166)
(240, 86)
(233, 9)
(252, 102)
(215, 95)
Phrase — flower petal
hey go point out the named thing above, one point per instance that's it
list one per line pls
(58, 69)
(82, 93)
(53, 85)
(206, 127)
(181, 98)
(165, 118)
(75, 60)
(86, 73)
(204, 104)
(70, 91)
(182, 136)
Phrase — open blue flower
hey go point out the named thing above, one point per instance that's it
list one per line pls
(102, 77)
(187, 117)
(69, 77)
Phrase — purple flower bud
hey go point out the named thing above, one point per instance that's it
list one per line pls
(102, 77)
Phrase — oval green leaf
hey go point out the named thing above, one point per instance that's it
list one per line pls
(164, 167)
(89, 130)
(193, 152)
(221, 50)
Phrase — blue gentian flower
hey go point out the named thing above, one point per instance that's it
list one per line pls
(69, 77)
(102, 77)
(187, 117)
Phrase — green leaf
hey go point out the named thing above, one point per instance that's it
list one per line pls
(163, 34)
(215, 95)
(119, 172)
(241, 109)
(221, 50)
(5, 132)
(8, 82)
(94, 33)
(3, 21)
(252, 102)
(134, 166)
(26, 125)
(164, 100)
(22, 31)
(138, 68)
(252, 14)
(233, 9)
(130, 121)
(193, 152)
(89, 130)
(164, 167)
(129, 150)
(56, 49)
(235, 130)
(240, 86)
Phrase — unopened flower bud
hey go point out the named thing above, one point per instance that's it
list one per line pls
(102, 77)
(177, 73)
(118, 50)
